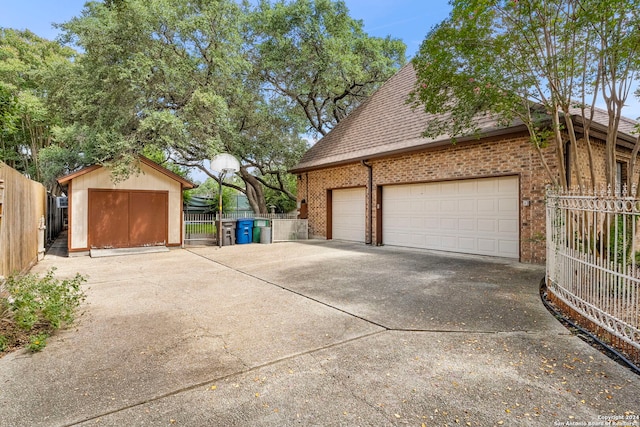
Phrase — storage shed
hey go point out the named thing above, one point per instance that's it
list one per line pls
(143, 210)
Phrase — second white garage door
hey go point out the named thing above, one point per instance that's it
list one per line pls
(348, 214)
(475, 216)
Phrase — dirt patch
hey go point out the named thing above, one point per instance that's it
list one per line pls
(17, 338)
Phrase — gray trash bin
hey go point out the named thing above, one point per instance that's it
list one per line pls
(265, 235)
(228, 232)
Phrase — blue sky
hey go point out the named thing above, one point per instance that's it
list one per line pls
(409, 20)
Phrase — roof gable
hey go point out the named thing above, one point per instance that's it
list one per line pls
(386, 124)
(186, 184)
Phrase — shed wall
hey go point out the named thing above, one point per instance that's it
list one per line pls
(147, 179)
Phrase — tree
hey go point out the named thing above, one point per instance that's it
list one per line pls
(312, 53)
(187, 78)
(538, 61)
(210, 190)
(155, 74)
(29, 68)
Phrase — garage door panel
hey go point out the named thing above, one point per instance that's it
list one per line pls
(466, 187)
(486, 206)
(487, 245)
(449, 242)
(449, 188)
(508, 205)
(108, 216)
(448, 205)
(487, 225)
(467, 206)
(449, 224)
(418, 190)
(148, 220)
(467, 243)
(507, 247)
(487, 187)
(417, 206)
(479, 216)
(127, 218)
(348, 214)
(508, 226)
(467, 224)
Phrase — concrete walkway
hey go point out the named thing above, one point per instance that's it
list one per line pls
(312, 333)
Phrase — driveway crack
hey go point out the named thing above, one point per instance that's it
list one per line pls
(284, 288)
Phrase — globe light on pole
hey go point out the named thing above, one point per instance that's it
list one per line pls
(224, 164)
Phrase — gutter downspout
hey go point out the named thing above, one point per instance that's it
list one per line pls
(370, 191)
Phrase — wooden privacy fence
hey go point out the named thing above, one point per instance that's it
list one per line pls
(22, 212)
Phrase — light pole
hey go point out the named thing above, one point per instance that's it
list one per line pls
(224, 164)
(220, 179)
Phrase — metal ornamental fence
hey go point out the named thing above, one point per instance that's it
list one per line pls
(593, 258)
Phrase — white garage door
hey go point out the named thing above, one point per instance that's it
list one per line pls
(475, 216)
(348, 214)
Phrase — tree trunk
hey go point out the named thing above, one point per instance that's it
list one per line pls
(255, 192)
(559, 149)
(574, 152)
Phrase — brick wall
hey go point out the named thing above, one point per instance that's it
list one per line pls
(623, 155)
(507, 155)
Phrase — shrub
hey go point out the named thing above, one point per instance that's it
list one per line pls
(37, 306)
(37, 342)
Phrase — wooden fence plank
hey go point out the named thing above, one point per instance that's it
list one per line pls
(23, 206)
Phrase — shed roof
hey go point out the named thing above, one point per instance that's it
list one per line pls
(386, 124)
(186, 184)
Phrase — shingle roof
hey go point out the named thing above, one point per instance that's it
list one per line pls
(386, 124)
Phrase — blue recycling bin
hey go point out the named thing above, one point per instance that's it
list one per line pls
(244, 231)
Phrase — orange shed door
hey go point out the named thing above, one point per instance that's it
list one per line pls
(127, 218)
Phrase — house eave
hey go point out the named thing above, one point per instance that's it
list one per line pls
(410, 146)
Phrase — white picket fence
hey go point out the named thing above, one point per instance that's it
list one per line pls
(202, 228)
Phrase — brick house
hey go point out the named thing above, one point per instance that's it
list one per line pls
(375, 179)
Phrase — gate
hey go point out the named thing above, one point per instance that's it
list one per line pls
(199, 229)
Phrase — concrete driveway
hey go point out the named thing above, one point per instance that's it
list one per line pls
(312, 333)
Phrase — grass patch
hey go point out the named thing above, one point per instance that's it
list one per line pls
(200, 228)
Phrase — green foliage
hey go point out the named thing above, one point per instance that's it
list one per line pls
(4, 343)
(620, 239)
(314, 54)
(37, 342)
(210, 190)
(200, 229)
(30, 72)
(38, 305)
(183, 81)
(280, 201)
(531, 60)
(156, 75)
